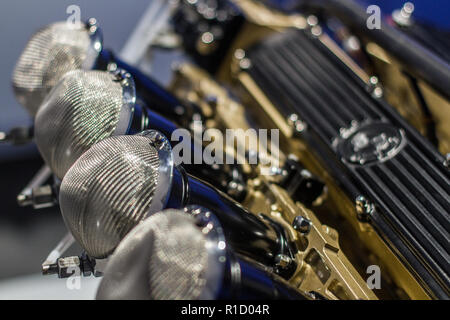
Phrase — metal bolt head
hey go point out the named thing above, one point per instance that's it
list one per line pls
(377, 92)
(92, 25)
(363, 208)
(361, 204)
(316, 31)
(408, 8)
(375, 87)
(282, 261)
(312, 20)
(68, 266)
(245, 64)
(239, 54)
(206, 43)
(374, 80)
(302, 225)
(298, 125)
(24, 200)
(49, 269)
(235, 189)
(293, 118)
(112, 67)
(92, 22)
(43, 196)
(447, 161)
(120, 75)
(403, 16)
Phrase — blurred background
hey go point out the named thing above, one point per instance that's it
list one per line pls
(27, 235)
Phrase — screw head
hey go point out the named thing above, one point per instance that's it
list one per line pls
(159, 141)
(302, 225)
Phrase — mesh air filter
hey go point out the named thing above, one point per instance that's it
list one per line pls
(109, 190)
(48, 55)
(82, 109)
(165, 257)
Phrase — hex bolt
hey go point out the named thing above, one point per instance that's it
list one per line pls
(302, 225)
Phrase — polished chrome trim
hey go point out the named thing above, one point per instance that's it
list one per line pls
(216, 246)
(129, 100)
(166, 167)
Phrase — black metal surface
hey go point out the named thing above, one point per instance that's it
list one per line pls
(418, 60)
(256, 237)
(410, 187)
(435, 39)
(221, 18)
(246, 279)
(300, 184)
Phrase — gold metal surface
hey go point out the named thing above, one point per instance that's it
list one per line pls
(260, 22)
(333, 47)
(249, 91)
(322, 266)
(258, 14)
(400, 94)
(440, 108)
(345, 206)
(398, 90)
(197, 86)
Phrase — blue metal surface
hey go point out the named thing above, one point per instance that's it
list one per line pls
(20, 18)
(436, 12)
(432, 11)
(155, 122)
